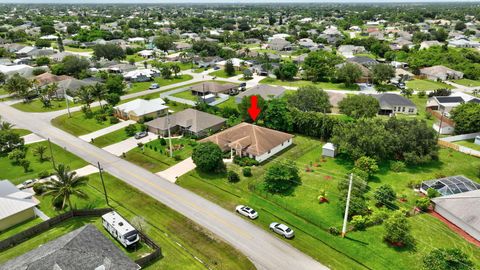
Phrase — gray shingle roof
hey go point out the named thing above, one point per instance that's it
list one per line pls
(193, 120)
(84, 249)
(393, 100)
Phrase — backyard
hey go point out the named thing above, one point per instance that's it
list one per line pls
(16, 174)
(426, 85)
(469, 143)
(300, 83)
(187, 94)
(312, 220)
(155, 156)
(179, 238)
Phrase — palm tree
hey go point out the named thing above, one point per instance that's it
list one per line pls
(85, 95)
(40, 151)
(6, 126)
(176, 69)
(98, 92)
(66, 185)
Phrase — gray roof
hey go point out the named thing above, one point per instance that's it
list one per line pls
(364, 60)
(451, 185)
(393, 100)
(85, 248)
(193, 120)
(263, 90)
(462, 206)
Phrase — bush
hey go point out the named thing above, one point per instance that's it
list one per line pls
(113, 120)
(334, 231)
(39, 188)
(359, 222)
(163, 141)
(233, 177)
(377, 217)
(423, 203)
(177, 157)
(245, 161)
(43, 174)
(414, 184)
(131, 130)
(38, 71)
(422, 94)
(398, 166)
(432, 193)
(247, 171)
(208, 157)
(100, 118)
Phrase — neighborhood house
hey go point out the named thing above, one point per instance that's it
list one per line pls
(141, 108)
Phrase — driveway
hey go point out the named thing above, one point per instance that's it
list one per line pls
(32, 138)
(118, 149)
(88, 137)
(177, 170)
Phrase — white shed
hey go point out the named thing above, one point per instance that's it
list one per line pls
(329, 150)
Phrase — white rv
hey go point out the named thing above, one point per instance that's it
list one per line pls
(120, 229)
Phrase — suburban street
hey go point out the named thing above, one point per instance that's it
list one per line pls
(264, 249)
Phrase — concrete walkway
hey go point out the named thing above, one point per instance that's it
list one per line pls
(32, 138)
(88, 137)
(124, 146)
(40, 214)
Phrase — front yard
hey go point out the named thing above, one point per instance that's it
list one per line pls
(112, 137)
(155, 156)
(311, 220)
(300, 83)
(143, 86)
(222, 74)
(16, 174)
(467, 82)
(37, 106)
(79, 124)
(426, 85)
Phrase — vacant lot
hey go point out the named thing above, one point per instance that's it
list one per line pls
(142, 86)
(16, 174)
(426, 85)
(37, 106)
(300, 83)
(312, 220)
(79, 124)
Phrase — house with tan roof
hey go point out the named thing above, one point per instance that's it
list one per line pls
(248, 140)
(440, 73)
(214, 88)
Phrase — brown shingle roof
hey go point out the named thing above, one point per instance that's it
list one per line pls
(48, 78)
(252, 139)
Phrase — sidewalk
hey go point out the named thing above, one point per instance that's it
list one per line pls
(32, 138)
(88, 137)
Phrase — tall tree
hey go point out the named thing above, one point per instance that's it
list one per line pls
(84, 93)
(310, 98)
(447, 259)
(349, 73)
(467, 118)
(383, 73)
(229, 68)
(68, 184)
(320, 65)
(358, 106)
(19, 86)
(277, 115)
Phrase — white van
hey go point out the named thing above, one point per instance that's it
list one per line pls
(120, 229)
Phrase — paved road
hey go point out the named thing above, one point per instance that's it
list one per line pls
(265, 250)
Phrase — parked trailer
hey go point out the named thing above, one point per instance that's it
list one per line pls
(120, 229)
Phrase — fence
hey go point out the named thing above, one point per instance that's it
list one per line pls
(46, 225)
(449, 142)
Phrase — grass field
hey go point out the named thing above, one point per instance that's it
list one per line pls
(19, 228)
(179, 238)
(222, 74)
(22, 132)
(78, 124)
(469, 144)
(72, 49)
(467, 82)
(155, 157)
(187, 94)
(112, 137)
(311, 220)
(16, 174)
(142, 86)
(426, 85)
(300, 83)
(37, 106)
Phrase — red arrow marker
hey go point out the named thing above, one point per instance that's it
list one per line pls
(254, 111)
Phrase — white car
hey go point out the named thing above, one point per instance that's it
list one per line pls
(246, 211)
(28, 183)
(282, 229)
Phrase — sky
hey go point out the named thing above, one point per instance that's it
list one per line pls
(222, 1)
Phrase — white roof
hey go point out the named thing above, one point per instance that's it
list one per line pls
(136, 39)
(118, 222)
(24, 70)
(25, 49)
(235, 61)
(12, 200)
(142, 106)
(141, 72)
(49, 37)
(329, 146)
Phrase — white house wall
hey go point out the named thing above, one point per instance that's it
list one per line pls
(274, 151)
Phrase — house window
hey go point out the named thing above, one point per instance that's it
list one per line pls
(411, 110)
(403, 109)
(394, 109)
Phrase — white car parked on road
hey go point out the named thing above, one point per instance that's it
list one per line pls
(282, 229)
(246, 211)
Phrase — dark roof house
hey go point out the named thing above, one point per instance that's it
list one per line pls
(267, 92)
(85, 248)
(393, 103)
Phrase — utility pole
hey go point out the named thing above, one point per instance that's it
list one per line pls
(100, 170)
(51, 154)
(169, 135)
(345, 217)
(68, 105)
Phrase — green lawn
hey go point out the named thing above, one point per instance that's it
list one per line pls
(300, 83)
(467, 82)
(469, 144)
(37, 106)
(185, 66)
(112, 137)
(187, 94)
(142, 86)
(19, 228)
(16, 174)
(78, 124)
(179, 238)
(22, 132)
(136, 58)
(3, 91)
(426, 85)
(311, 220)
(229, 103)
(159, 159)
(222, 74)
